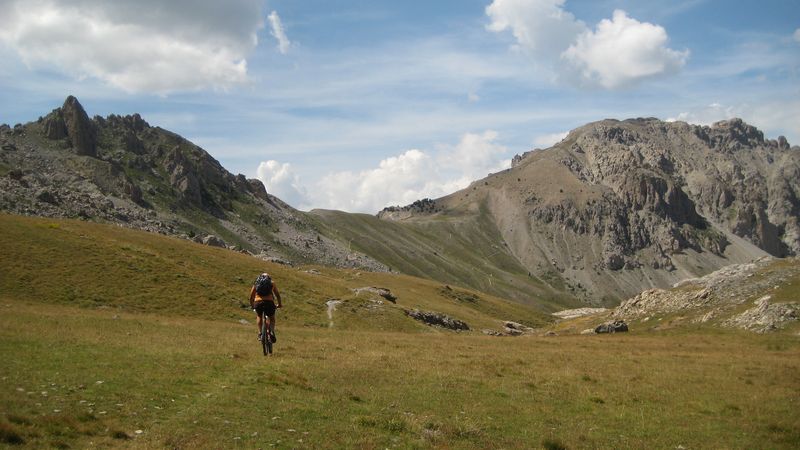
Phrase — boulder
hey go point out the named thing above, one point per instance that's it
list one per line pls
(617, 326)
(437, 319)
(214, 241)
(515, 329)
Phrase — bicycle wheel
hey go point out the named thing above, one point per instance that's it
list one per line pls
(266, 345)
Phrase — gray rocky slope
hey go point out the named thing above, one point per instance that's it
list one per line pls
(622, 206)
(121, 170)
(760, 296)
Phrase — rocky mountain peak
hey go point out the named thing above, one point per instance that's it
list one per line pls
(80, 129)
(71, 121)
(736, 133)
(146, 177)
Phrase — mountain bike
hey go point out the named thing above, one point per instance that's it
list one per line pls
(266, 336)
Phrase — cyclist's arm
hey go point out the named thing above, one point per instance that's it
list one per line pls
(277, 295)
(252, 295)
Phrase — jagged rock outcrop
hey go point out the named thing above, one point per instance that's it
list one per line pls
(258, 189)
(120, 169)
(424, 206)
(80, 129)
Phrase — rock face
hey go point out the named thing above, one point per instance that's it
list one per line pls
(80, 129)
(621, 206)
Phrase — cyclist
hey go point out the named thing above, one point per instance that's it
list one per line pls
(264, 303)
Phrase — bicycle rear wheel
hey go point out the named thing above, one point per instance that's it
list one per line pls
(266, 344)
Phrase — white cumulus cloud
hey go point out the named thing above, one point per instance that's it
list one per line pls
(398, 180)
(620, 51)
(706, 115)
(540, 26)
(278, 33)
(473, 157)
(282, 182)
(137, 46)
(623, 50)
(549, 140)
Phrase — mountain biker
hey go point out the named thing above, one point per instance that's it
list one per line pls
(264, 304)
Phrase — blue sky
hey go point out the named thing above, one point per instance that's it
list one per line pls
(357, 105)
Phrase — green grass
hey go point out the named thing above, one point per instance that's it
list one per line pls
(101, 266)
(73, 376)
(117, 338)
(458, 250)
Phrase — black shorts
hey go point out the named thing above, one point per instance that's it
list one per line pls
(265, 307)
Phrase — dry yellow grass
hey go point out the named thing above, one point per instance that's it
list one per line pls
(75, 376)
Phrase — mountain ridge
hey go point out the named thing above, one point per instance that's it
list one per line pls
(616, 207)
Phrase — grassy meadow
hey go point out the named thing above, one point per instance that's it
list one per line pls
(116, 338)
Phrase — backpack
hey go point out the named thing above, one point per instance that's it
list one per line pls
(263, 285)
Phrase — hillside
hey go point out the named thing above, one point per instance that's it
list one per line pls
(619, 207)
(462, 252)
(92, 265)
(119, 169)
(112, 337)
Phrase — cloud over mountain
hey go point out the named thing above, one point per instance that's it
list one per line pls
(623, 50)
(143, 46)
(397, 180)
(619, 52)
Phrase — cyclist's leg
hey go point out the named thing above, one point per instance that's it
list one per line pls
(269, 313)
(259, 319)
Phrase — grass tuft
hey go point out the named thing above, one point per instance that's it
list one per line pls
(553, 444)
